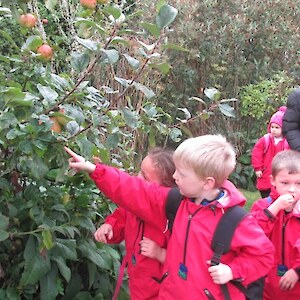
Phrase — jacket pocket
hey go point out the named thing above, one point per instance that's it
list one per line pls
(160, 280)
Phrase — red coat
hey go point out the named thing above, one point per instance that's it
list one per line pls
(284, 233)
(262, 160)
(141, 269)
(251, 254)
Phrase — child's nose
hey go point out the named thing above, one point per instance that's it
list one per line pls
(292, 188)
(175, 175)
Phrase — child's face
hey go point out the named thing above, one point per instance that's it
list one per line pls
(286, 183)
(276, 130)
(187, 181)
(148, 171)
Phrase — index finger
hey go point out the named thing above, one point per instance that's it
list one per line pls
(69, 151)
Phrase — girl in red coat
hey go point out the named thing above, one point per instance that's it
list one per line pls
(202, 166)
(278, 215)
(145, 244)
(265, 149)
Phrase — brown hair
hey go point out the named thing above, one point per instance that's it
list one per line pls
(286, 160)
(163, 161)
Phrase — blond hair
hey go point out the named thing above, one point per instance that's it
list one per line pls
(207, 156)
(286, 160)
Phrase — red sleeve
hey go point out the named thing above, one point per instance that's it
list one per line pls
(254, 252)
(257, 156)
(263, 216)
(117, 220)
(145, 200)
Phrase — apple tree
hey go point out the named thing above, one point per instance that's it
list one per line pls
(82, 74)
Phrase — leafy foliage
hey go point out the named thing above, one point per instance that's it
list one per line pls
(81, 98)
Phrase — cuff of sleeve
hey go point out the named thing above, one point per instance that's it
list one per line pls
(297, 270)
(269, 214)
(97, 172)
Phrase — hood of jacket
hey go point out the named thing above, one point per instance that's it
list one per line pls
(232, 196)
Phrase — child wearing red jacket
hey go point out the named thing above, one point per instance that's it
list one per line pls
(203, 165)
(278, 215)
(265, 149)
(145, 244)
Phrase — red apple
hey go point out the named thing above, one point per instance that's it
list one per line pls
(46, 52)
(28, 20)
(91, 4)
(45, 21)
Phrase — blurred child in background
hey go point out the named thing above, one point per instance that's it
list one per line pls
(265, 149)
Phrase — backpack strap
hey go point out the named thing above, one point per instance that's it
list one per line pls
(174, 199)
(222, 239)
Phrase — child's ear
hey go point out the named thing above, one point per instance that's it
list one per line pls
(272, 180)
(210, 183)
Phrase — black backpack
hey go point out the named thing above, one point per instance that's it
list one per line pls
(221, 241)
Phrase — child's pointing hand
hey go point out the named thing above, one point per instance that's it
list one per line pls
(78, 163)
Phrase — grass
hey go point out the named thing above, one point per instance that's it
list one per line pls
(251, 197)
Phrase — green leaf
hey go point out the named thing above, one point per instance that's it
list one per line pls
(199, 100)
(227, 110)
(86, 223)
(36, 266)
(212, 93)
(174, 47)
(90, 23)
(63, 268)
(90, 251)
(65, 248)
(25, 146)
(37, 168)
(32, 43)
(151, 138)
(162, 67)
(49, 94)
(132, 61)
(146, 91)
(131, 117)
(113, 11)
(9, 38)
(151, 28)
(15, 97)
(3, 235)
(186, 130)
(48, 285)
(160, 4)
(124, 82)
(176, 135)
(59, 82)
(166, 16)
(5, 10)
(47, 239)
(112, 141)
(72, 127)
(88, 44)
(79, 61)
(119, 40)
(111, 56)
(50, 4)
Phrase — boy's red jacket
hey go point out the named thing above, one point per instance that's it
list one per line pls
(284, 233)
(251, 255)
(141, 269)
(262, 159)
